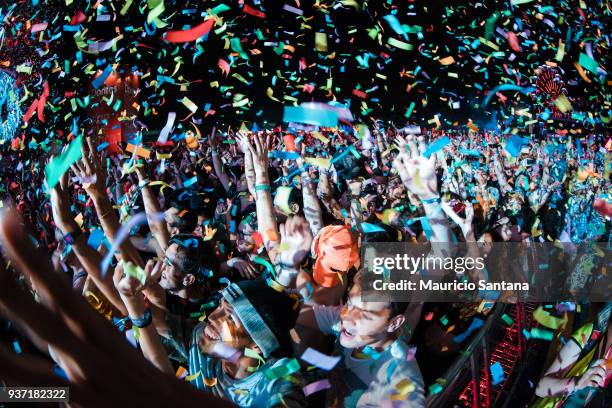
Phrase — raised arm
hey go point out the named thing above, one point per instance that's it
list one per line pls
(266, 221)
(249, 169)
(296, 240)
(354, 187)
(89, 258)
(554, 384)
(217, 164)
(325, 193)
(464, 223)
(158, 226)
(96, 359)
(312, 207)
(498, 168)
(93, 178)
(418, 174)
(141, 316)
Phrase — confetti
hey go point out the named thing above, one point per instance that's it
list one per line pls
(318, 359)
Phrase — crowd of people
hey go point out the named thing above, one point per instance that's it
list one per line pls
(232, 261)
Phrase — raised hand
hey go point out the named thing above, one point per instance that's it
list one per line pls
(209, 232)
(89, 171)
(259, 150)
(243, 142)
(593, 377)
(103, 369)
(416, 171)
(464, 223)
(60, 206)
(296, 239)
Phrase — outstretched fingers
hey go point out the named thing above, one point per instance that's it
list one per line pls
(422, 145)
(412, 146)
(25, 369)
(61, 311)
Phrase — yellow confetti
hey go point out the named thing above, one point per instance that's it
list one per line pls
(403, 388)
(321, 42)
(563, 104)
(192, 376)
(189, 104)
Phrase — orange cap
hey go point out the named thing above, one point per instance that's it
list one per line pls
(192, 142)
(335, 248)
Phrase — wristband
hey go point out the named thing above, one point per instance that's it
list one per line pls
(263, 187)
(143, 183)
(214, 153)
(432, 200)
(275, 285)
(144, 320)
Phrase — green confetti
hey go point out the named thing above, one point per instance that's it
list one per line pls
(60, 164)
(135, 272)
(284, 370)
(588, 63)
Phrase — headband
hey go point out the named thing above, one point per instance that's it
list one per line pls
(250, 318)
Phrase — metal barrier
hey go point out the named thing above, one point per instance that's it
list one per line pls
(468, 381)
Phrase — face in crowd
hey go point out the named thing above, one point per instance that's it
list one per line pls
(244, 242)
(366, 323)
(224, 327)
(172, 219)
(174, 276)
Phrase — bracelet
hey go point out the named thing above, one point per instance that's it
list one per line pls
(143, 183)
(263, 187)
(433, 200)
(144, 320)
(214, 153)
(275, 285)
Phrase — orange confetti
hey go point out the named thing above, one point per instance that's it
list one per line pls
(581, 72)
(140, 151)
(210, 382)
(272, 235)
(181, 372)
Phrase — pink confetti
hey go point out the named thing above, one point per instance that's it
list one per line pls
(39, 27)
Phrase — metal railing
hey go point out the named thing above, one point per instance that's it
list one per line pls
(468, 360)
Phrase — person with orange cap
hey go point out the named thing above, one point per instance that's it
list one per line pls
(335, 251)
